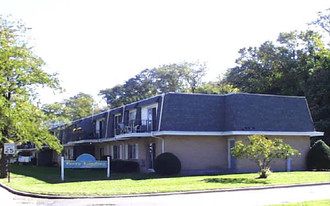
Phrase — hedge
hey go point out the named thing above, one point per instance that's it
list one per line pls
(124, 166)
(319, 156)
(167, 164)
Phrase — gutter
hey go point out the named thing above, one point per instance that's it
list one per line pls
(160, 138)
(161, 112)
(159, 124)
(107, 126)
(158, 135)
(236, 133)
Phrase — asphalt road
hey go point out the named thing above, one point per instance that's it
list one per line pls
(247, 197)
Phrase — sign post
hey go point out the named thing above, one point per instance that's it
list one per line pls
(108, 169)
(62, 168)
(9, 149)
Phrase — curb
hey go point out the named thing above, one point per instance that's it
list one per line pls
(33, 195)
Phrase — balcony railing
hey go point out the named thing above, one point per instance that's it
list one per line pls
(76, 136)
(133, 126)
(26, 146)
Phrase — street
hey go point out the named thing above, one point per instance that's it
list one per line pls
(248, 197)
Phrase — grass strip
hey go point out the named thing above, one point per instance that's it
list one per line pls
(86, 182)
(309, 203)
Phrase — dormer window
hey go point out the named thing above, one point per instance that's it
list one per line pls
(148, 118)
(99, 128)
(118, 125)
(131, 120)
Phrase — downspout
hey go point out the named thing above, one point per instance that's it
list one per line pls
(123, 143)
(107, 126)
(160, 123)
(122, 119)
(161, 112)
(162, 139)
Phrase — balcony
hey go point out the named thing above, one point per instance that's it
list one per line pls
(26, 146)
(76, 136)
(142, 126)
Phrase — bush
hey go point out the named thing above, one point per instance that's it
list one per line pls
(124, 166)
(318, 156)
(33, 161)
(167, 164)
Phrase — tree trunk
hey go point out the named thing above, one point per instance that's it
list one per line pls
(3, 163)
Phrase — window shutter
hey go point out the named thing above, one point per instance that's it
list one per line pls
(112, 152)
(126, 151)
(136, 151)
(120, 151)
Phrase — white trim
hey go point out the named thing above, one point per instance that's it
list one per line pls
(193, 133)
(161, 112)
(123, 117)
(227, 133)
(81, 142)
(107, 125)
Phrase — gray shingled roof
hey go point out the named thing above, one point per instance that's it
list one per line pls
(235, 112)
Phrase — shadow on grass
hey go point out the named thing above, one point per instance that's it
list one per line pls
(235, 181)
(52, 175)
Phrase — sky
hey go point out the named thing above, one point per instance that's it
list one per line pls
(97, 44)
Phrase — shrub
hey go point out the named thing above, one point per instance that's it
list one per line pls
(124, 166)
(318, 156)
(104, 158)
(167, 164)
(33, 161)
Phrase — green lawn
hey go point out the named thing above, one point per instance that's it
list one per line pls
(46, 180)
(310, 203)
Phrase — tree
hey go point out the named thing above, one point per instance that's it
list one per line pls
(219, 87)
(20, 73)
(297, 64)
(263, 151)
(76, 107)
(323, 20)
(193, 74)
(79, 106)
(183, 77)
(283, 67)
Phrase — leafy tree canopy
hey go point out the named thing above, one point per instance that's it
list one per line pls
(297, 64)
(20, 73)
(263, 151)
(76, 107)
(184, 77)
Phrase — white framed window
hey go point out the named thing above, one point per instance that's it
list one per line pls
(118, 124)
(68, 153)
(101, 152)
(146, 113)
(132, 151)
(99, 128)
(132, 115)
(116, 152)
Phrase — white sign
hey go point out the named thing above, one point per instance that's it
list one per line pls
(9, 148)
